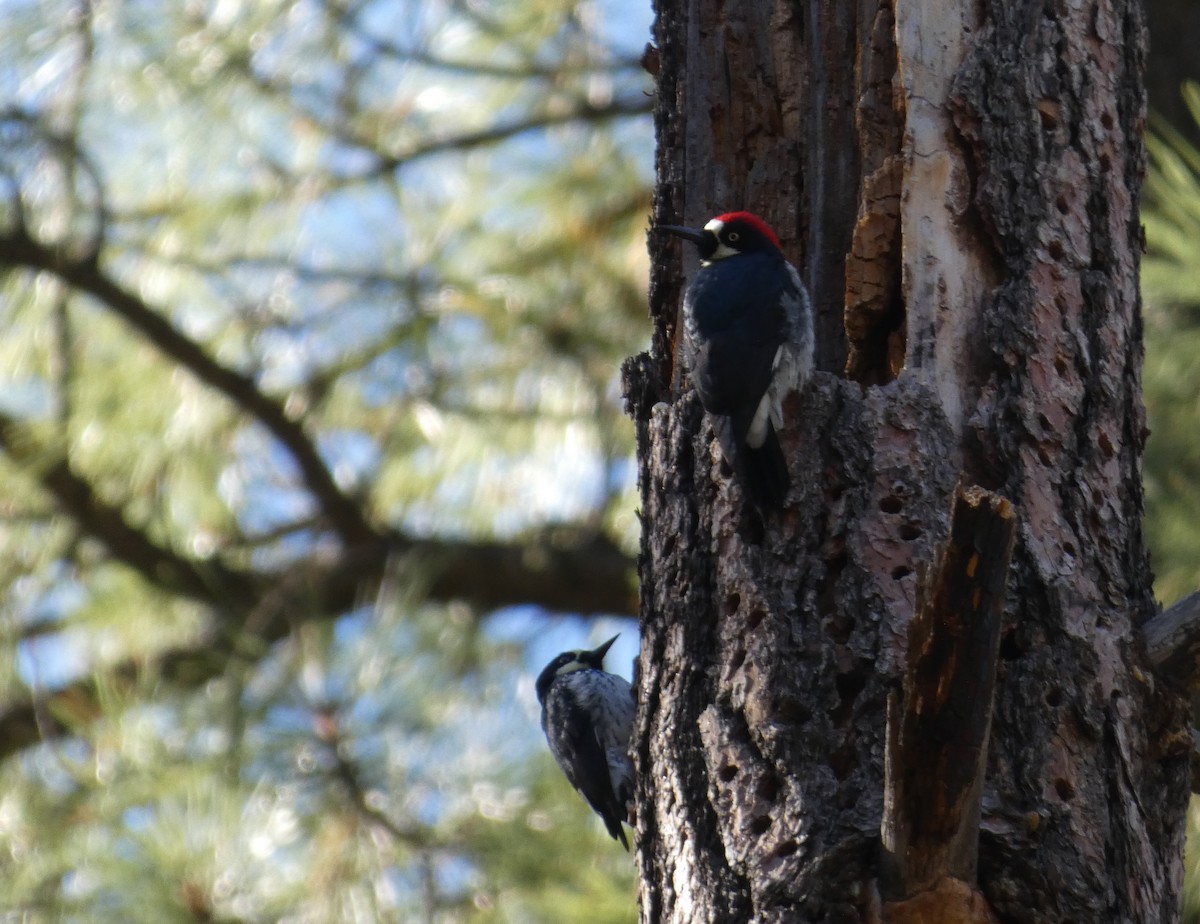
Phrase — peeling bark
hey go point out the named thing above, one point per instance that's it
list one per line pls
(1007, 267)
(937, 725)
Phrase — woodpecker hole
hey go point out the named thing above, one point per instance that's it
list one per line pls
(1069, 549)
(1056, 250)
(754, 620)
(1106, 446)
(787, 848)
(835, 555)
(1044, 423)
(1044, 457)
(849, 685)
(727, 773)
(1062, 205)
(790, 711)
(910, 532)
(760, 825)
(1065, 789)
(900, 572)
(669, 545)
(1054, 697)
(891, 504)
(1061, 366)
(732, 602)
(1010, 648)
(768, 787)
(1105, 163)
(1106, 120)
(738, 659)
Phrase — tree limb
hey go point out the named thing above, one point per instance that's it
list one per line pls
(588, 576)
(18, 248)
(210, 582)
(252, 610)
(1173, 641)
(583, 112)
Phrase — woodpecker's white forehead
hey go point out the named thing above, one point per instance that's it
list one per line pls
(715, 225)
(571, 666)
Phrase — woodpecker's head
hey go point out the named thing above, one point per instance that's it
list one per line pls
(728, 235)
(570, 661)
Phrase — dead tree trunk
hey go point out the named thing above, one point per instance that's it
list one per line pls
(958, 182)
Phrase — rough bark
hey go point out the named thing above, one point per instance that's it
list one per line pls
(1003, 348)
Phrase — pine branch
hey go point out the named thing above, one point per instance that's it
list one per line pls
(210, 582)
(18, 248)
(583, 112)
(583, 576)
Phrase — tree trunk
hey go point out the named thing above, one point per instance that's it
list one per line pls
(958, 183)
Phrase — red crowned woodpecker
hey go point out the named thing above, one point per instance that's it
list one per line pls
(748, 341)
(587, 715)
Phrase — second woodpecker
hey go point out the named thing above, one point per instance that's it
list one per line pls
(587, 715)
(748, 341)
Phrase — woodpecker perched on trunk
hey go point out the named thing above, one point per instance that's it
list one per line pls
(748, 341)
(587, 715)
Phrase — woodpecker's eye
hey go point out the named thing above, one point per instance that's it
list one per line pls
(732, 236)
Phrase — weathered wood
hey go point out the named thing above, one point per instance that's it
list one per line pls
(1173, 642)
(949, 901)
(938, 724)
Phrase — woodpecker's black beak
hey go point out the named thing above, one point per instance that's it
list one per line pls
(596, 655)
(695, 235)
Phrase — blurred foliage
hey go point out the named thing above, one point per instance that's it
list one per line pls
(419, 227)
(1171, 286)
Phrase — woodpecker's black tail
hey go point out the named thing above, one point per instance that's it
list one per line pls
(765, 473)
(762, 472)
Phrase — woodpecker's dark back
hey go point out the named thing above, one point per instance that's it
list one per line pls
(748, 342)
(736, 308)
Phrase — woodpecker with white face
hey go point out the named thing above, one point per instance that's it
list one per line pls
(748, 341)
(587, 715)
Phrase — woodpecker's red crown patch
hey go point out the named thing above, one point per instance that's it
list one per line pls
(749, 218)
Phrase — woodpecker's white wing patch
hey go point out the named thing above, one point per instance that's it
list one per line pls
(769, 410)
(792, 364)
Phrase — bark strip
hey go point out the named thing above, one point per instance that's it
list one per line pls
(937, 735)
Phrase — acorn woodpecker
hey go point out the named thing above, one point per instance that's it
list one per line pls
(587, 715)
(748, 341)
